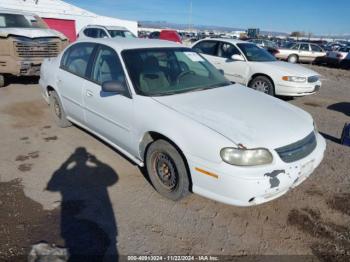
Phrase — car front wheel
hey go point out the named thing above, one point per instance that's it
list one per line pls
(293, 59)
(167, 170)
(57, 110)
(2, 80)
(262, 84)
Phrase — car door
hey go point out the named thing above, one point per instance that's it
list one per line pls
(305, 54)
(71, 79)
(317, 51)
(235, 71)
(208, 49)
(108, 114)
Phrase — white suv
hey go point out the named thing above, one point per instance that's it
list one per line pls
(99, 31)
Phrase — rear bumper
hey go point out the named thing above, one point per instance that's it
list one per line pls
(20, 67)
(247, 186)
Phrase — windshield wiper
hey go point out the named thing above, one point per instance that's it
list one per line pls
(190, 90)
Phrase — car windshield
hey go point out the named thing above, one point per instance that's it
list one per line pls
(21, 21)
(168, 71)
(344, 49)
(255, 54)
(121, 33)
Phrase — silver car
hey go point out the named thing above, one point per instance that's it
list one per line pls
(301, 52)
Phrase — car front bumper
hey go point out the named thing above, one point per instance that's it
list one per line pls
(247, 186)
(20, 66)
(297, 89)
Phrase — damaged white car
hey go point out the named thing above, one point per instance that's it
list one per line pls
(167, 108)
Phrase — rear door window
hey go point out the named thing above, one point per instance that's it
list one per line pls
(295, 47)
(316, 48)
(107, 67)
(77, 57)
(207, 47)
(91, 32)
(227, 50)
(101, 33)
(304, 47)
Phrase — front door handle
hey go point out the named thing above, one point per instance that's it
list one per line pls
(89, 93)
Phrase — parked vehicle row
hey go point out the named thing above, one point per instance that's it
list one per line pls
(247, 64)
(340, 58)
(167, 108)
(25, 40)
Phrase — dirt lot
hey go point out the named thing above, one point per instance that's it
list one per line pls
(41, 192)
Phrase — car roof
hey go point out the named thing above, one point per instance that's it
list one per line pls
(108, 27)
(15, 12)
(228, 40)
(121, 44)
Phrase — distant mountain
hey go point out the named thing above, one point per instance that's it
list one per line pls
(164, 24)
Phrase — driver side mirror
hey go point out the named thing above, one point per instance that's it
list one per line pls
(237, 58)
(115, 87)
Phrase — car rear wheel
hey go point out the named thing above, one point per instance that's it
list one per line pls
(167, 170)
(262, 84)
(2, 80)
(57, 110)
(293, 59)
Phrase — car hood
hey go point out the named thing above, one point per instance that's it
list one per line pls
(31, 32)
(289, 69)
(243, 116)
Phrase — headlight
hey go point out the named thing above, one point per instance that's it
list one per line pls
(297, 79)
(246, 157)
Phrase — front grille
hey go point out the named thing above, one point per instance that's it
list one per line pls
(37, 49)
(298, 150)
(313, 79)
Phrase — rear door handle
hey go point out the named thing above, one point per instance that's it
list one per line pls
(89, 93)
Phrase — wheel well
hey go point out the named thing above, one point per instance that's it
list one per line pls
(149, 138)
(261, 74)
(49, 89)
(153, 136)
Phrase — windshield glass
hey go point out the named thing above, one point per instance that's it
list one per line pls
(255, 54)
(121, 33)
(168, 71)
(21, 21)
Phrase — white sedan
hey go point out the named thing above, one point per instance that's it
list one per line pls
(252, 66)
(167, 108)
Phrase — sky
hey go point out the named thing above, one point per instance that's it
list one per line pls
(316, 16)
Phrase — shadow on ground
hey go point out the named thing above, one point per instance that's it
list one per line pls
(343, 107)
(88, 224)
(330, 138)
(23, 80)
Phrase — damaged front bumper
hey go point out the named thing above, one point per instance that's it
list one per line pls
(20, 67)
(247, 186)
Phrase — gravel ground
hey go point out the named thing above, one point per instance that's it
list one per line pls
(121, 213)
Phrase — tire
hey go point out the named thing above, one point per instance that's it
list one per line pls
(2, 81)
(57, 110)
(293, 59)
(263, 84)
(162, 157)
